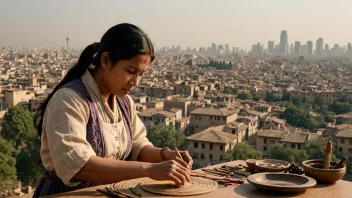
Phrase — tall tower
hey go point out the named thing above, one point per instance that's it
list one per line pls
(283, 42)
(310, 48)
(67, 39)
(319, 46)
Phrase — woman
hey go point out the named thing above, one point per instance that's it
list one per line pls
(88, 124)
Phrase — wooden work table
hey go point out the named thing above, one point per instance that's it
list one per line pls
(342, 189)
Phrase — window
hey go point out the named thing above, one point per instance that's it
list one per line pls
(218, 118)
(203, 145)
(224, 118)
(350, 141)
(340, 149)
(264, 148)
(200, 118)
(211, 146)
(220, 147)
(221, 158)
(350, 150)
(299, 147)
(233, 131)
(342, 141)
(293, 146)
(196, 145)
(264, 140)
(210, 156)
(285, 145)
(202, 156)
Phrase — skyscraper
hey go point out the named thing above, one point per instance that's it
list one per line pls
(291, 49)
(349, 49)
(297, 47)
(309, 48)
(271, 47)
(304, 50)
(283, 42)
(319, 46)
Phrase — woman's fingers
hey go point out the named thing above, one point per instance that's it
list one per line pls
(181, 175)
(175, 179)
(183, 163)
(187, 158)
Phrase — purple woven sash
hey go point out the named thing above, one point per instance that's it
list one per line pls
(50, 183)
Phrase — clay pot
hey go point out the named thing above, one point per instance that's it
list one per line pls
(314, 169)
(251, 165)
(261, 165)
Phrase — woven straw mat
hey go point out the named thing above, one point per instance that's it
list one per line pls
(196, 187)
(125, 187)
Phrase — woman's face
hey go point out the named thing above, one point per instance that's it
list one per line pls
(120, 78)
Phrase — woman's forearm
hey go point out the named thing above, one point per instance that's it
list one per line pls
(150, 154)
(98, 169)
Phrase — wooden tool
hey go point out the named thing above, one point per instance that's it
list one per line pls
(214, 172)
(340, 164)
(178, 154)
(328, 155)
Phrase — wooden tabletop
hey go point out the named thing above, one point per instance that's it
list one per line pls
(341, 189)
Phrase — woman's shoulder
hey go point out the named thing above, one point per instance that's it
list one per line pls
(67, 97)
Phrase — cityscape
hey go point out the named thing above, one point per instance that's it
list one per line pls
(282, 99)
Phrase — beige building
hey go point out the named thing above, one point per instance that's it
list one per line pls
(237, 128)
(209, 146)
(251, 122)
(14, 97)
(344, 142)
(182, 124)
(178, 103)
(266, 139)
(158, 104)
(203, 118)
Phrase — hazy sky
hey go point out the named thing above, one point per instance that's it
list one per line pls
(195, 23)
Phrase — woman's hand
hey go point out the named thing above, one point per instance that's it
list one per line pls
(172, 155)
(173, 170)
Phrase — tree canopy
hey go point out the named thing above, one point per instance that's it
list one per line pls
(242, 152)
(244, 96)
(165, 136)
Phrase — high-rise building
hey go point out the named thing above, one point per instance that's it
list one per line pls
(303, 50)
(283, 42)
(213, 48)
(297, 47)
(271, 47)
(309, 48)
(227, 48)
(349, 49)
(319, 46)
(327, 49)
(291, 49)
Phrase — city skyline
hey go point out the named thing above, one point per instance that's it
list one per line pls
(195, 24)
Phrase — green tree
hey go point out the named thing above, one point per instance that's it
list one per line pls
(28, 171)
(7, 168)
(287, 154)
(318, 101)
(257, 98)
(18, 127)
(296, 100)
(165, 136)
(217, 86)
(340, 107)
(227, 91)
(292, 115)
(269, 97)
(316, 149)
(183, 83)
(343, 99)
(242, 152)
(244, 96)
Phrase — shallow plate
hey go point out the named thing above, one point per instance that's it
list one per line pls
(281, 182)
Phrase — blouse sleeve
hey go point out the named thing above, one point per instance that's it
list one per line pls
(139, 133)
(65, 121)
